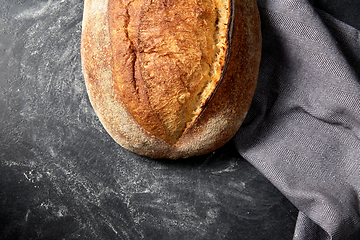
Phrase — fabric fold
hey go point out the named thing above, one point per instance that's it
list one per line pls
(303, 129)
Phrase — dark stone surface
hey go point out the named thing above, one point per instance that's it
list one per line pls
(63, 177)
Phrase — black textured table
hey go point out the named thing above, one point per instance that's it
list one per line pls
(63, 177)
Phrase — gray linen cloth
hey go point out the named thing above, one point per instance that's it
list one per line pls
(303, 129)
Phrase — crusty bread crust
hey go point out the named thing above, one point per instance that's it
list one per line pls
(173, 78)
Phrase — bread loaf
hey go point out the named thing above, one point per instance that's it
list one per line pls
(171, 78)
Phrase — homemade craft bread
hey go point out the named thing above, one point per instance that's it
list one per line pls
(171, 78)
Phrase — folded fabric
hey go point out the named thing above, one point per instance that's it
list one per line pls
(303, 129)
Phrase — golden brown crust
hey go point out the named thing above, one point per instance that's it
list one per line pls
(144, 65)
(164, 54)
